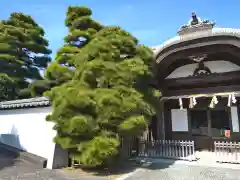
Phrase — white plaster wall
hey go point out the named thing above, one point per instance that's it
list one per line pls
(215, 67)
(27, 129)
(179, 120)
(30, 128)
(235, 121)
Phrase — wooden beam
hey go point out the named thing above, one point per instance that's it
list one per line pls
(209, 90)
(226, 78)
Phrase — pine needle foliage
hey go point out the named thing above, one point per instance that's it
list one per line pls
(108, 95)
(23, 53)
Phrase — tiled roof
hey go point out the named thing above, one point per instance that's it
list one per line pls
(23, 103)
(199, 34)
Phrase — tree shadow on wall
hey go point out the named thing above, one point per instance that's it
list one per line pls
(10, 148)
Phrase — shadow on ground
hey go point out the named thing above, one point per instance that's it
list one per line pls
(125, 167)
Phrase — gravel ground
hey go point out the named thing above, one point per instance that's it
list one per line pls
(25, 171)
(184, 172)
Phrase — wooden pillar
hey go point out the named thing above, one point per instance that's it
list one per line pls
(210, 140)
(160, 121)
(209, 123)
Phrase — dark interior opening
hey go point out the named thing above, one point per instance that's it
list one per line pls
(219, 122)
(199, 122)
(213, 124)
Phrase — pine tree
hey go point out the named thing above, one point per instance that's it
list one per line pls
(23, 53)
(109, 96)
(81, 30)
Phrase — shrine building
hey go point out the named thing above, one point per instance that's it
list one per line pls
(198, 74)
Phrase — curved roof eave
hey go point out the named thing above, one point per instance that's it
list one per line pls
(199, 34)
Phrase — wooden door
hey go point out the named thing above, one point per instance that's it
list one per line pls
(206, 126)
(219, 122)
(200, 130)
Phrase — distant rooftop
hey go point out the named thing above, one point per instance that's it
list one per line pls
(25, 103)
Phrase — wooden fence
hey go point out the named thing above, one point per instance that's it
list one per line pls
(174, 149)
(227, 152)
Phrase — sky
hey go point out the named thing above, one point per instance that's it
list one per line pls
(152, 21)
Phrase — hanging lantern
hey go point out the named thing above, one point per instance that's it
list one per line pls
(180, 103)
(229, 100)
(191, 102)
(233, 99)
(215, 100)
(212, 104)
(194, 101)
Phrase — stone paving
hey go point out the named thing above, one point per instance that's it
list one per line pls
(185, 172)
(25, 171)
(21, 170)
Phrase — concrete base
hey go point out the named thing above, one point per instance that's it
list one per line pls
(58, 159)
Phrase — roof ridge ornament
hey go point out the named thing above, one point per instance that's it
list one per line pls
(198, 58)
(196, 24)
